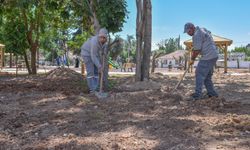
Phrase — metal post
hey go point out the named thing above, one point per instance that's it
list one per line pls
(225, 59)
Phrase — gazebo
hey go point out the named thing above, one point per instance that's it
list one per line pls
(1, 55)
(221, 42)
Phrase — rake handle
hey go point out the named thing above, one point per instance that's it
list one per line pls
(184, 74)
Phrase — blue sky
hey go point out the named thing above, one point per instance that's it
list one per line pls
(226, 18)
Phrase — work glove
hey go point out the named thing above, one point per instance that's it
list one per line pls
(191, 62)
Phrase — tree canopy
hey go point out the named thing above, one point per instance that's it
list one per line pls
(169, 45)
(54, 25)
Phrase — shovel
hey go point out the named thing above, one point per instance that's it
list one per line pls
(101, 94)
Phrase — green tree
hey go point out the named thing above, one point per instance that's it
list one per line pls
(170, 45)
(129, 49)
(50, 25)
(117, 48)
(46, 24)
(13, 35)
(242, 49)
(33, 15)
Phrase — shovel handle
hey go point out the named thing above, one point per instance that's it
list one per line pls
(102, 72)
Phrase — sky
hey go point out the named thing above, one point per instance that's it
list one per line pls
(226, 18)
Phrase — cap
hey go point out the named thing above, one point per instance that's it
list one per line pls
(103, 32)
(187, 26)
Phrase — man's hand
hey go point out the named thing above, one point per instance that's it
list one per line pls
(195, 53)
(191, 62)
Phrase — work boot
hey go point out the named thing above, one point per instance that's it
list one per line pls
(210, 96)
(194, 97)
(91, 93)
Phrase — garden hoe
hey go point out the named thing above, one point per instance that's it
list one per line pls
(182, 77)
(101, 94)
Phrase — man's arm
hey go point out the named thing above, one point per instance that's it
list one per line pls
(195, 53)
(197, 46)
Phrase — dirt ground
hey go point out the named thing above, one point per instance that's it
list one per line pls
(54, 112)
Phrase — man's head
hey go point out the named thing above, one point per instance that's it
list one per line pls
(103, 35)
(189, 28)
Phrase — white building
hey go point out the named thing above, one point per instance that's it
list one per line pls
(170, 59)
(233, 56)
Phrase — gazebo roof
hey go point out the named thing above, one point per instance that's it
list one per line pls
(219, 41)
(1, 45)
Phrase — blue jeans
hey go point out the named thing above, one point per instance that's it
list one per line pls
(203, 76)
(92, 74)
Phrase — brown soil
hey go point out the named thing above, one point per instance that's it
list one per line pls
(54, 111)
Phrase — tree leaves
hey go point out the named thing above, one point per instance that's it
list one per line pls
(112, 14)
(169, 45)
(44, 24)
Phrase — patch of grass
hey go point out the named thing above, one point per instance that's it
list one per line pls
(84, 100)
(113, 79)
(112, 83)
(120, 76)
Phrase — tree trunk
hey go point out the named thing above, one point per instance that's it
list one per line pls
(138, 59)
(16, 64)
(33, 59)
(143, 36)
(11, 59)
(27, 62)
(238, 63)
(37, 58)
(147, 40)
(139, 28)
(153, 65)
(155, 55)
(66, 51)
(94, 19)
(52, 57)
(32, 28)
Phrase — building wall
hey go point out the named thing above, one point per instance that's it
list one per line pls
(234, 64)
(164, 63)
(233, 56)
